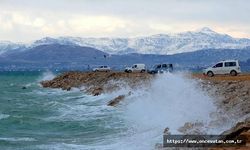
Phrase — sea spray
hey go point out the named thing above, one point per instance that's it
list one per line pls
(170, 101)
(47, 75)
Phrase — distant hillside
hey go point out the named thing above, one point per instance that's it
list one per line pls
(55, 53)
(71, 57)
(246, 63)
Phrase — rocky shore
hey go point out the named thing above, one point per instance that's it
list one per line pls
(96, 83)
(232, 93)
(233, 97)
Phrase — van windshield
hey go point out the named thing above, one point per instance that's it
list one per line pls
(163, 66)
(218, 65)
(158, 66)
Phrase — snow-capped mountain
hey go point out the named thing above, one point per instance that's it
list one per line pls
(204, 38)
(157, 44)
(6, 46)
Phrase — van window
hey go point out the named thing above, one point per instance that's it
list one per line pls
(164, 65)
(135, 66)
(230, 64)
(218, 65)
(158, 66)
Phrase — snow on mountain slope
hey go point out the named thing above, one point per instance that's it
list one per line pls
(204, 38)
(110, 45)
(6, 46)
(187, 42)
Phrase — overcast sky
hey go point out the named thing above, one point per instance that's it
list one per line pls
(27, 20)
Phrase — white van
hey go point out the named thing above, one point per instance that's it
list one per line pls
(102, 69)
(136, 68)
(231, 67)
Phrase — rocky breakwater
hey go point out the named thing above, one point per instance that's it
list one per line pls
(233, 97)
(96, 83)
(232, 93)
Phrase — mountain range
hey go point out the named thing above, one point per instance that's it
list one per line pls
(162, 44)
(72, 57)
(195, 49)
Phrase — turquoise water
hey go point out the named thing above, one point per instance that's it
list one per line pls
(38, 118)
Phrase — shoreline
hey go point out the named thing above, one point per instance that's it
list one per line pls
(232, 93)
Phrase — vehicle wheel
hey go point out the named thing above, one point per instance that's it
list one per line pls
(233, 73)
(142, 71)
(210, 73)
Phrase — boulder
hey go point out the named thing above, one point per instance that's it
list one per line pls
(166, 131)
(97, 91)
(67, 88)
(116, 100)
(240, 131)
(192, 128)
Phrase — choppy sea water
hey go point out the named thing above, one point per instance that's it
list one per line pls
(39, 118)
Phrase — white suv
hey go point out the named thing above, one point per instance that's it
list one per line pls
(231, 67)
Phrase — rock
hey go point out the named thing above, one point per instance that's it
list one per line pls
(67, 88)
(166, 131)
(116, 100)
(97, 91)
(45, 84)
(96, 83)
(192, 128)
(158, 146)
(24, 87)
(232, 96)
(240, 131)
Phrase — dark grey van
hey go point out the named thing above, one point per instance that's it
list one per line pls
(160, 68)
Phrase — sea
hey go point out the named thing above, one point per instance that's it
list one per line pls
(37, 118)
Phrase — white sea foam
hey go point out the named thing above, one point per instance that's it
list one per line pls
(55, 92)
(79, 108)
(64, 146)
(43, 92)
(2, 116)
(170, 101)
(48, 75)
(18, 139)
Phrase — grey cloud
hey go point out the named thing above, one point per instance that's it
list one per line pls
(231, 14)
